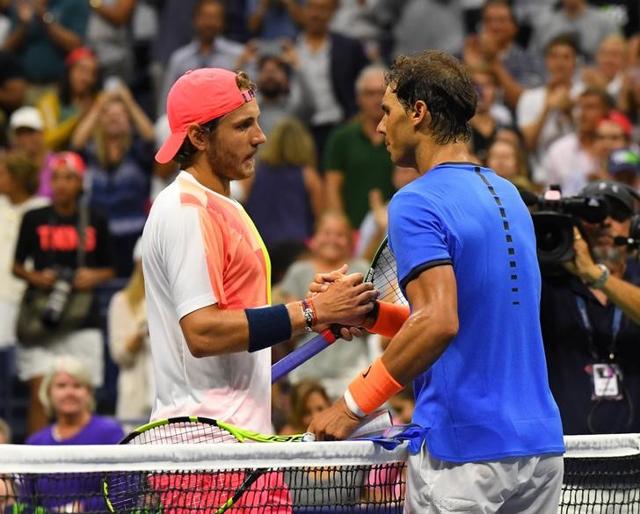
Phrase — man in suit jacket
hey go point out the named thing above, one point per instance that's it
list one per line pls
(327, 66)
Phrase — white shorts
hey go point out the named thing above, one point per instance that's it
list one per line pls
(523, 485)
(85, 344)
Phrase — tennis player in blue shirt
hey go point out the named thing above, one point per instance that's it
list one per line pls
(472, 345)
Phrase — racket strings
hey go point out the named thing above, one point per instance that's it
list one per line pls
(184, 433)
(383, 275)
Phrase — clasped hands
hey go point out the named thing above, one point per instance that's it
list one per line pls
(343, 299)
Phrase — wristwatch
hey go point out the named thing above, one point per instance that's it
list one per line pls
(599, 282)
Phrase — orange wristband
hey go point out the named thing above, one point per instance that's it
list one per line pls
(372, 388)
(390, 319)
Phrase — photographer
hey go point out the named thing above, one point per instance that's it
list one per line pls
(589, 322)
(58, 314)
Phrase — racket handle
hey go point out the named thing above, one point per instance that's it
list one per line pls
(299, 356)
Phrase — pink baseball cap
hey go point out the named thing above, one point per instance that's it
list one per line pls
(199, 96)
(71, 160)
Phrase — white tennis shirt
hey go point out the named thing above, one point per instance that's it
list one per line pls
(200, 248)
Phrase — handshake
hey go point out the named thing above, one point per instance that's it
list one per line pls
(343, 299)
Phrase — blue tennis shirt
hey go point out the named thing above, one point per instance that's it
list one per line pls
(487, 397)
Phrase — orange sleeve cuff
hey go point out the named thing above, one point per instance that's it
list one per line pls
(371, 389)
(390, 319)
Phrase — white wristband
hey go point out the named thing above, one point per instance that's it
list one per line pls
(352, 405)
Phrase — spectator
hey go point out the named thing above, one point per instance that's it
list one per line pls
(62, 109)
(402, 405)
(331, 246)
(589, 25)
(67, 394)
(13, 87)
(507, 159)
(274, 96)
(307, 398)
(109, 32)
(43, 33)
(5, 438)
(589, 325)
(209, 49)
(27, 135)
(629, 99)
(544, 113)
(18, 185)
(50, 238)
(356, 19)
(490, 116)
(375, 224)
(117, 139)
(419, 24)
(286, 195)
(327, 66)
(129, 347)
(610, 62)
(356, 158)
(163, 174)
(612, 133)
(572, 160)
(495, 46)
(272, 19)
(624, 166)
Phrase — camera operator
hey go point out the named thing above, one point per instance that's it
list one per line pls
(589, 322)
(63, 253)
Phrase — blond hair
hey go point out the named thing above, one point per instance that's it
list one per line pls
(100, 140)
(289, 143)
(134, 290)
(72, 366)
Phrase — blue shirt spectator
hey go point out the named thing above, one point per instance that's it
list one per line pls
(42, 36)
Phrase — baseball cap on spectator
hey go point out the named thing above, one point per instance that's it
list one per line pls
(623, 160)
(26, 117)
(79, 53)
(621, 120)
(197, 97)
(621, 198)
(70, 160)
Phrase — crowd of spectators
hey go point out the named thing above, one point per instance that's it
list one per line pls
(83, 85)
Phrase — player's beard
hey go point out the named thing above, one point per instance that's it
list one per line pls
(225, 163)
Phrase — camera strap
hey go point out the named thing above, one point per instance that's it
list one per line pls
(81, 229)
(615, 329)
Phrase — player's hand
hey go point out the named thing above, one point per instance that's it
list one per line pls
(321, 281)
(348, 299)
(335, 423)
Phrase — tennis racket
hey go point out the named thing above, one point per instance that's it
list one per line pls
(152, 492)
(383, 275)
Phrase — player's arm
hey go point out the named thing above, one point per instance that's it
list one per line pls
(213, 331)
(429, 329)
(422, 339)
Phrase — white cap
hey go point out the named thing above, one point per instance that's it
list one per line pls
(26, 117)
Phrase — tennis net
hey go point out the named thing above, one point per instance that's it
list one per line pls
(602, 476)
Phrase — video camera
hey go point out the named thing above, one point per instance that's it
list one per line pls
(554, 218)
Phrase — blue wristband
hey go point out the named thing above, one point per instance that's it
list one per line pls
(268, 326)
